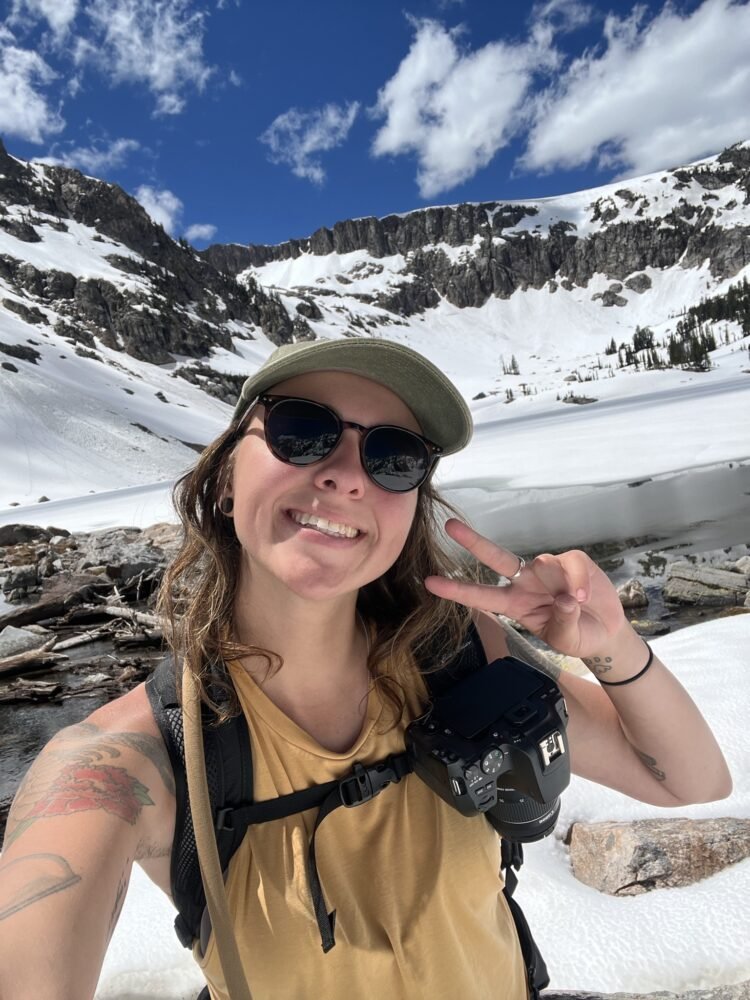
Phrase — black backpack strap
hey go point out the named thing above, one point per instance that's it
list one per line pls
(230, 782)
(359, 786)
(229, 772)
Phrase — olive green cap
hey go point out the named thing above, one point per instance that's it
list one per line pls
(434, 400)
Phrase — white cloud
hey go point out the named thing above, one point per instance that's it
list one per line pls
(296, 137)
(567, 15)
(235, 79)
(661, 92)
(97, 157)
(139, 41)
(200, 231)
(169, 104)
(164, 207)
(455, 108)
(59, 14)
(25, 111)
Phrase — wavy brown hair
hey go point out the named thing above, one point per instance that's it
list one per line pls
(411, 631)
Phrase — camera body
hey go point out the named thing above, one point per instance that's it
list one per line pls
(496, 744)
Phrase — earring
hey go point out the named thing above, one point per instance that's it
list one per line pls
(226, 505)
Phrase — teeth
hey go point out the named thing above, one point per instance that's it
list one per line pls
(324, 525)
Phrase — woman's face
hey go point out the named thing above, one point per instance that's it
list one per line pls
(270, 497)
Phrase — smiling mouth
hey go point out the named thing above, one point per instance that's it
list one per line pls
(323, 525)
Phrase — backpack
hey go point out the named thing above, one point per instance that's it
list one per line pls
(229, 772)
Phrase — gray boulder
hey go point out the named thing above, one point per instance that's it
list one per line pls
(627, 859)
(705, 585)
(19, 640)
(632, 594)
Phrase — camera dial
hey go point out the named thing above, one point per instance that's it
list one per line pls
(492, 763)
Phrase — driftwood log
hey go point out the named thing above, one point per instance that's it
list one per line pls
(30, 661)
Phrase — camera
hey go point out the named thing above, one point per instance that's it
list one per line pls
(496, 744)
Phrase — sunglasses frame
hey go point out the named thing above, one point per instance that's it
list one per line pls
(270, 401)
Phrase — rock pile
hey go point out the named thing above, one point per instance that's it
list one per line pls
(709, 586)
(691, 584)
(86, 622)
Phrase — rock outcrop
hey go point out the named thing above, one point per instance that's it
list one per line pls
(506, 250)
(627, 859)
(178, 303)
(707, 586)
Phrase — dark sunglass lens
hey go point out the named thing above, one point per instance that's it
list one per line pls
(395, 459)
(301, 433)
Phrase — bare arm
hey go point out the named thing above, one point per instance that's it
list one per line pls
(646, 738)
(88, 807)
(649, 741)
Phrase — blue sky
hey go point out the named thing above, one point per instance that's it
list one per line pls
(248, 122)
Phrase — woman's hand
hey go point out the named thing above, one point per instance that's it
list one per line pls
(566, 600)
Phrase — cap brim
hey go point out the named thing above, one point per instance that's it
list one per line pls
(437, 404)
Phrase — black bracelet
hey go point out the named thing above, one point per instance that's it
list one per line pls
(635, 677)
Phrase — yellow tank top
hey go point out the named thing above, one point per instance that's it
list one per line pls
(415, 885)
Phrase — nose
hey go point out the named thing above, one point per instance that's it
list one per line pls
(342, 470)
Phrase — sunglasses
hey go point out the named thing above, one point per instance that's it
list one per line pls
(302, 432)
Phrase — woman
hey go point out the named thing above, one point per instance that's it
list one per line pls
(312, 568)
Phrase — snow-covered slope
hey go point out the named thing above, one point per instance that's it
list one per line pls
(100, 311)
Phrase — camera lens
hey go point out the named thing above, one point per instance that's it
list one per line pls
(519, 817)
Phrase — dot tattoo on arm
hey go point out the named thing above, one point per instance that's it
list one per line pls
(599, 665)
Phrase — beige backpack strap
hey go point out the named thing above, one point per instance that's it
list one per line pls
(205, 839)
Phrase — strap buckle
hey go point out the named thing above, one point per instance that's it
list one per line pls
(224, 819)
(364, 783)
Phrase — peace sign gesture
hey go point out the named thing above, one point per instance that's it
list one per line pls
(565, 600)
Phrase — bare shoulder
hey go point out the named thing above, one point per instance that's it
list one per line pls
(114, 762)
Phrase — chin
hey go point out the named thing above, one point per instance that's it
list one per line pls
(320, 584)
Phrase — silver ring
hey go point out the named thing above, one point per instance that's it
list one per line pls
(521, 564)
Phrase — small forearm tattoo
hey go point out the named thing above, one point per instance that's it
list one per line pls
(29, 879)
(599, 665)
(147, 851)
(650, 763)
(122, 888)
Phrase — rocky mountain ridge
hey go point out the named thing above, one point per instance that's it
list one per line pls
(161, 297)
(677, 218)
